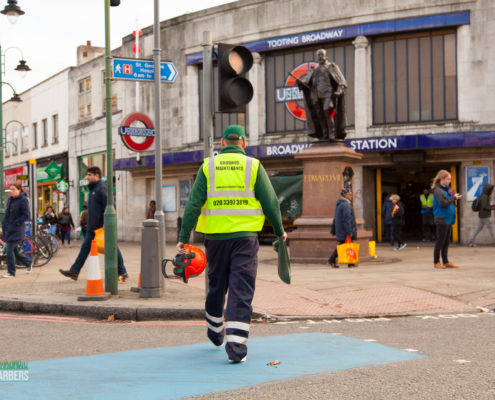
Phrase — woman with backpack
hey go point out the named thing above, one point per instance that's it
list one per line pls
(65, 223)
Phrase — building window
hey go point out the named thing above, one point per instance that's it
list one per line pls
(44, 132)
(55, 129)
(414, 78)
(222, 120)
(85, 98)
(284, 101)
(113, 94)
(15, 142)
(24, 139)
(8, 144)
(35, 135)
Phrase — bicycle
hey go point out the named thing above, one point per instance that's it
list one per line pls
(37, 250)
(53, 240)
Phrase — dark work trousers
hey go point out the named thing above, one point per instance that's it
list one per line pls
(232, 267)
(84, 253)
(333, 257)
(442, 243)
(396, 231)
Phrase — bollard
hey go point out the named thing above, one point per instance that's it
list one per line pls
(150, 259)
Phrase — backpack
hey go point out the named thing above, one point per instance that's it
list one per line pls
(476, 206)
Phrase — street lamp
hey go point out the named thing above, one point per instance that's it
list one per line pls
(12, 10)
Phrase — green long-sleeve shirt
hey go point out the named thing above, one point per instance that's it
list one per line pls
(263, 190)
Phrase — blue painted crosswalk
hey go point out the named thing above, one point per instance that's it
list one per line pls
(180, 371)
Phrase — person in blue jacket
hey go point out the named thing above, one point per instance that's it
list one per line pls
(344, 223)
(13, 228)
(444, 213)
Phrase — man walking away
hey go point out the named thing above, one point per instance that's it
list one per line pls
(231, 196)
(97, 203)
(484, 214)
(344, 223)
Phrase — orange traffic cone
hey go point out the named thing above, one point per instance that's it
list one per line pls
(138, 287)
(94, 284)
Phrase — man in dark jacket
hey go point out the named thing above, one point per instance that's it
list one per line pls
(387, 219)
(97, 203)
(344, 223)
(13, 228)
(484, 214)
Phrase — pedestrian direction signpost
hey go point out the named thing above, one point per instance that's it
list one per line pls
(142, 70)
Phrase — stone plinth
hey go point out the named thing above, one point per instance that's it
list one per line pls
(323, 166)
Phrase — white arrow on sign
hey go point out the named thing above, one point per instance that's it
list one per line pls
(168, 73)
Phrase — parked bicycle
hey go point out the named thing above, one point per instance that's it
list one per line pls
(52, 239)
(38, 249)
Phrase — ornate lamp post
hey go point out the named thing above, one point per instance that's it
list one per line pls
(13, 11)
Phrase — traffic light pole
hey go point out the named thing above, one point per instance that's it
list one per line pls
(207, 107)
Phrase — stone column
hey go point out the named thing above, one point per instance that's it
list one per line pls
(362, 86)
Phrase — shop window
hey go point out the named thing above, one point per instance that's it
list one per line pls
(414, 78)
(35, 135)
(44, 132)
(284, 101)
(113, 94)
(85, 98)
(222, 120)
(55, 129)
(24, 139)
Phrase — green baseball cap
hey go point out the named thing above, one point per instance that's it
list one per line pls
(234, 132)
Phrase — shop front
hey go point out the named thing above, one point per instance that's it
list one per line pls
(51, 190)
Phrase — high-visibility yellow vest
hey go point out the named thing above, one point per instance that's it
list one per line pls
(426, 201)
(231, 205)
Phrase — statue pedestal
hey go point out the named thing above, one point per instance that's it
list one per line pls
(323, 166)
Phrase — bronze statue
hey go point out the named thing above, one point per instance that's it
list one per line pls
(323, 88)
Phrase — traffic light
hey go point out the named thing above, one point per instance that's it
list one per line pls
(234, 90)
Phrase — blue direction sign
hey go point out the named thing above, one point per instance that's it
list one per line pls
(142, 70)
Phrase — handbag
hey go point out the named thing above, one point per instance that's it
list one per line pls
(348, 252)
(283, 260)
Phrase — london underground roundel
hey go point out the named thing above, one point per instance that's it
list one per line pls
(295, 102)
(137, 138)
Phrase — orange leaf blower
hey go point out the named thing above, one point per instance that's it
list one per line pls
(187, 264)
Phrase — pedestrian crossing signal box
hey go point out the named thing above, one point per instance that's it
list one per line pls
(234, 90)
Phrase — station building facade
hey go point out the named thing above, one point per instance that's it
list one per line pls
(420, 77)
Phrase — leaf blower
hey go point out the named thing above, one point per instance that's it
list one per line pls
(187, 264)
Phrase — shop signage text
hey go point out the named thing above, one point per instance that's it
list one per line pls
(318, 178)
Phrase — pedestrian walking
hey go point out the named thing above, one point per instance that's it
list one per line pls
(97, 203)
(344, 224)
(397, 214)
(426, 200)
(387, 217)
(83, 220)
(50, 220)
(484, 215)
(65, 223)
(151, 210)
(229, 200)
(13, 228)
(444, 213)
